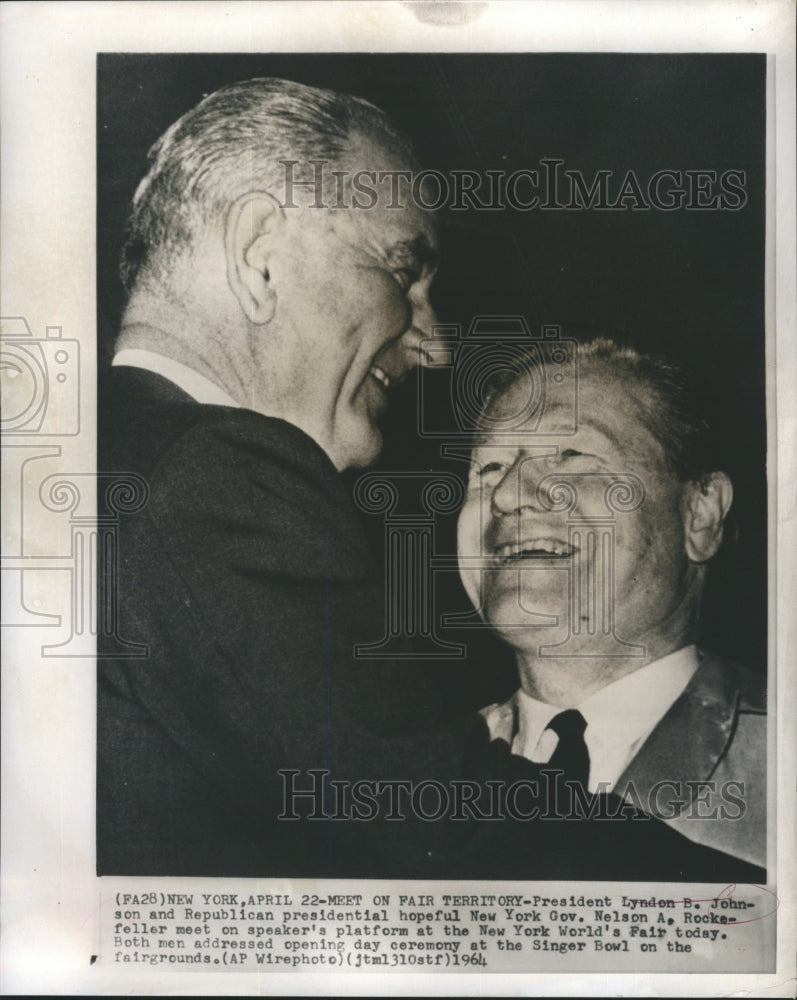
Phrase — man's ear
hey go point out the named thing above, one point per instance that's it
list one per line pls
(254, 223)
(706, 508)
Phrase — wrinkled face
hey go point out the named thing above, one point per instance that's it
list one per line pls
(545, 563)
(354, 293)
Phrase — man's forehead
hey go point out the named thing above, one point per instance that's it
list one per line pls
(606, 403)
(502, 424)
(392, 202)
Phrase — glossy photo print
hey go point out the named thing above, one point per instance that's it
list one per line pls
(389, 505)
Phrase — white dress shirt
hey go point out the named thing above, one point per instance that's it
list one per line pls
(197, 386)
(619, 717)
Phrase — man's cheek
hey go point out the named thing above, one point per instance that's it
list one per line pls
(469, 547)
(465, 526)
(389, 306)
(471, 582)
(634, 540)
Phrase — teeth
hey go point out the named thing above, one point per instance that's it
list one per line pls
(381, 376)
(534, 547)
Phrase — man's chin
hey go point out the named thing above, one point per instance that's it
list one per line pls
(362, 451)
(511, 612)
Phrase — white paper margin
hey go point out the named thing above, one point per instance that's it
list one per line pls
(49, 893)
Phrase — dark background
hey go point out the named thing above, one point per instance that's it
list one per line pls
(687, 283)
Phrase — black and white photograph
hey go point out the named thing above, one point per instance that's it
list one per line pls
(540, 220)
(396, 544)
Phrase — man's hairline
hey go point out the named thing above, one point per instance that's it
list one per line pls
(382, 135)
(631, 378)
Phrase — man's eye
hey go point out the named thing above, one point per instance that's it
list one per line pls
(488, 468)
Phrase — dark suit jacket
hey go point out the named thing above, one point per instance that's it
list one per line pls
(713, 743)
(700, 777)
(248, 578)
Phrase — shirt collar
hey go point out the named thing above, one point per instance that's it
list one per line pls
(197, 386)
(623, 712)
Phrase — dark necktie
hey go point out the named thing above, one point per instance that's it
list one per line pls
(571, 755)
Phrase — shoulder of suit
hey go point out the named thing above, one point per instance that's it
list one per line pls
(148, 422)
(750, 685)
(245, 446)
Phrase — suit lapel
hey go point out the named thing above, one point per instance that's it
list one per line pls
(686, 745)
(689, 741)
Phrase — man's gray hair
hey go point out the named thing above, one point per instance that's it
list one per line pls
(232, 142)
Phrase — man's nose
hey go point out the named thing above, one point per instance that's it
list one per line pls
(516, 490)
(424, 320)
(506, 495)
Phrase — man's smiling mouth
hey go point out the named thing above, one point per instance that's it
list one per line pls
(534, 548)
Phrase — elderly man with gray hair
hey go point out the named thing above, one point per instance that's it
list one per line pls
(264, 328)
(585, 542)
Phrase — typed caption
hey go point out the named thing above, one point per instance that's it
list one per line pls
(436, 927)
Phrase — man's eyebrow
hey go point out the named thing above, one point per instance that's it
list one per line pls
(486, 438)
(418, 251)
(598, 425)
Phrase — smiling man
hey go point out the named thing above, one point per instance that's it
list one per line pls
(588, 553)
(263, 330)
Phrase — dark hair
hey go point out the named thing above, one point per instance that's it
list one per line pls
(209, 157)
(673, 407)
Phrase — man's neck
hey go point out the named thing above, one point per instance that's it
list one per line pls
(567, 681)
(139, 334)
